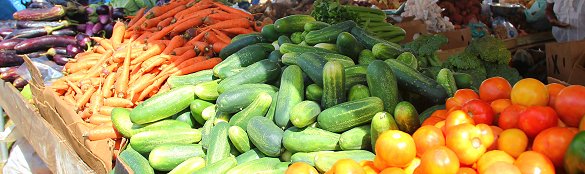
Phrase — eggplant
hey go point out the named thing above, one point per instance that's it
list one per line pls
(64, 32)
(40, 14)
(37, 54)
(7, 24)
(97, 27)
(19, 82)
(43, 42)
(108, 29)
(118, 13)
(10, 74)
(38, 24)
(32, 32)
(9, 58)
(102, 10)
(40, 4)
(89, 28)
(104, 19)
(81, 27)
(73, 50)
(83, 40)
(6, 31)
(60, 59)
(10, 43)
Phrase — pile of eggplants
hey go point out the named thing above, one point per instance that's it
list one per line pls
(100, 20)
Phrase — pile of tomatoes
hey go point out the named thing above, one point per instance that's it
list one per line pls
(523, 129)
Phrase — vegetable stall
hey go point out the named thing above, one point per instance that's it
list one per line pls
(204, 87)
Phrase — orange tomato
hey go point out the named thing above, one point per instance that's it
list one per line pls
(461, 97)
(570, 104)
(509, 117)
(456, 118)
(582, 124)
(500, 104)
(395, 148)
(392, 170)
(466, 170)
(441, 125)
(426, 138)
(369, 166)
(346, 166)
(432, 120)
(301, 167)
(529, 92)
(440, 160)
(513, 142)
(379, 163)
(554, 142)
(413, 165)
(553, 91)
(469, 142)
(531, 162)
(491, 157)
(496, 130)
(494, 88)
(502, 167)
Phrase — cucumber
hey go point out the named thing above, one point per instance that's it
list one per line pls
(262, 165)
(249, 155)
(135, 161)
(239, 138)
(328, 34)
(463, 80)
(362, 10)
(386, 51)
(269, 32)
(382, 84)
(291, 48)
(197, 107)
(366, 39)
(209, 112)
(356, 138)
(285, 156)
(290, 93)
(122, 123)
(206, 132)
(381, 122)
(366, 57)
(185, 117)
(163, 105)
(428, 112)
(279, 168)
(219, 147)
(303, 43)
(190, 165)
(272, 109)
(348, 45)
(265, 135)
(310, 140)
(406, 117)
(416, 82)
(259, 72)
(333, 84)
(257, 108)
(240, 59)
(327, 46)
(408, 59)
(284, 39)
(219, 167)
(168, 156)
(357, 92)
(221, 117)
(292, 58)
(297, 37)
(190, 79)
(355, 75)
(241, 36)
(325, 160)
(308, 158)
(144, 142)
(292, 23)
(238, 44)
(312, 64)
(236, 98)
(304, 113)
(315, 25)
(314, 92)
(347, 115)
(160, 125)
(207, 90)
(446, 79)
(275, 56)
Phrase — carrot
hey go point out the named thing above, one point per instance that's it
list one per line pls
(69, 99)
(232, 23)
(103, 42)
(118, 102)
(224, 38)
(122, 81)
(207, 64)
(152, 51)
(152, 87)
(154, 21)
(165, 23)
(200, 13)
(97, 100)
(76, 67)
(152, 63)
(211, 37)
(237, 31)
(98, 119)
(97, 68)
(118, 34)
(73, 86)
(162, 33)
(105, 110)
(85, 113)
(176, 42)
(218, 46)
(185, 63)
(200, 36)
(85, 98)
(140, 84)
(233, 10)
(138, 16)
(224, 16)
(186, 25)
(180, 50)
(195, 8)
(108, 85)
(100, 49)
(103, 132)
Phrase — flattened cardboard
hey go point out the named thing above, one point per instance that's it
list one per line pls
(578, 72)
(457, 38)
(561, 58)
(413, 28)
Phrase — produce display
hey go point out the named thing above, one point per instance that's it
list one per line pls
(463, 12)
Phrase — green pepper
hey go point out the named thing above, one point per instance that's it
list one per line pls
(575, 156)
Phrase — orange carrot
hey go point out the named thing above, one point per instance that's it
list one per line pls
(154, 21)
(233, 10)
(103, 42)
(224, 38)
(138, 16)
(70, 99)
(195, 8)
(122, 81)
(176, 42)
(185, 63)
(199, 46)
(98, 119)
(211, 37)
(108, 85)
(193, 22)
(218, 46)
(73, 86)
(162, 33)
(100, 49)
(200, 13)
(207, 64)
(85, 98)
(140, 84)
(152, 87)
(85, 113)
(152, 51)
(200, 36)
(106, 110)
(103, 132)
(152, 63)
(118, 34)
(233, 23)
(179, 51)
(96, 69)
(165, 23)
(237, 31)
(118, 102)
(224, 16)
(97, 100)
(76, 67)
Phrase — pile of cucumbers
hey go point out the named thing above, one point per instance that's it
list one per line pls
(301, 90)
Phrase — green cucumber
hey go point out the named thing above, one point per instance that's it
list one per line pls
(185, 117)
(206, 132)
(219, 167)
(314, 92)
(221, 117)
(408, 59)
(239, 138)
(355, 75)
(308, 158)
(356, 138)
(284, 39)
(190, 79)
(303, 43)
(272, 109)
(241, 36)
(292, 23)
(366, 39)
(366, 57)
(333, 84)
(265, 135)
(446, 79)
(262, 165)
(160, 125)
(310, 140)
(239, 97)
(381, 122)
(168, 156)
(190, 165)
(304, 113)
(297, 37)
(219, 147)
(207, 90)
(312, 64)
(209, 112)
(275, 56)
(347, 115)
(327, 46)
(325, 160)
(348, 45)
(279, 168)
(386, 51)
(163, 105)
(414, 81)
(428, 112)
(285, 156)
(269, 32)
(315, 25)
(259, 72)
(240, 59)
(463, 80)
(290, 93)
(197, 107)
(144, 142)
(135, 161)
(238, 44)
(257, 108)
(382, 84)
(406, 117)
(328, 34)
(357, 92)
(249, 155)
(291, 48)
(121, 121)
(292, 58)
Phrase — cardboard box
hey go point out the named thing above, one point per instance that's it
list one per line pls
(62, 116)
(413, 28)
(561, 59)
(457, 38)
(578, 73)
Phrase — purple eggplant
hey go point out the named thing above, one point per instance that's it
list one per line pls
(56, 50)
(64, 32)
(37, 54)
(36, 14)
(108, 29)
(9, 58)
(81, 27)
(38, 24)
(10, 74)
(5, 31)
(73, 50)
(43, 42)
(97, 27)
(89, 28)
(32, 32)
(89, 10)
(60, 59)
(83, 40)
(102, 10)
(10, 43)
(118, 13)
(104, 19)
(19, 82)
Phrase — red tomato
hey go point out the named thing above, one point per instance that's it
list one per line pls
(554, 142)
(461, 97)
(536, 119)
(480, 111)
(553, 91)
(509, 117)
(570, 104)
(494, 88)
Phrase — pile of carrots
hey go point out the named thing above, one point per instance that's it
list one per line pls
(178, 38)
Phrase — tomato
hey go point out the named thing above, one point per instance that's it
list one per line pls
(509, 117)
(536, 119)
(346, 166)
(513, 142)
(469, 142)
(554, 142)
(480, 111)
(502, 167)
(494, 88)
(466, 170)
(553, 91)
(582, 124)
(437, 116)
(369, 167)
(529, 92)
(301, 167)
(500, 104)
(379, 163)
(413, 165)
(393, 170)
(461, 97)
(426, 138)
(440, 160)
(570, 104)
(395, 148)
(531, 162)
(492, 157)
(496, 130)
(456, 118)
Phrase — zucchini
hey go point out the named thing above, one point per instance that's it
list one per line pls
(249, 155)
(333, 84)
(239, 138)
(310, 140)
(257, 108)
(446, 79)
(262, 165)
(207, 90)
(240, 59)
(272, 109)
(269, 32)
(357, 92)
(135, 161)
(197, 107)
(366, 57)
(190, 165)
(304, 113)
(327, 46)
(168, 156)
(297, 37)
(259, 72)
(366, 39)
(292, 23)
(382, 84)
(314, 92)
(291, 48)
(284, 39)
(219, 167)
(386, 51)
(144, 142)
(265, 135)
(315, 25)
(381, 122)
(356, 138)
(348, 45)
(219, 147)
(355, 75)
(463, 80)
(238, 44)
(347, 115)
(163, 105)
(406, 117)
(190, 79)
(328, 34)
(236, 98)
(416, 82)
(185, 117)
(408, 59)
(325, 160)
(290, 93)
